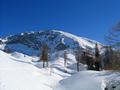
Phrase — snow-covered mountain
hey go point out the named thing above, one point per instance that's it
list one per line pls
(57, 40)
(19, 72)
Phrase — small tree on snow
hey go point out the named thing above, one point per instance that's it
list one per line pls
(65, 58)
(78, 58)
(44, 55)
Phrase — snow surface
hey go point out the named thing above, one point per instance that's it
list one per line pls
(85, 80)
(17, 72)
(2, 46)
(91, 80)
(16, 75)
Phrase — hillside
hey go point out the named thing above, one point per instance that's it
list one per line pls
(19, 73)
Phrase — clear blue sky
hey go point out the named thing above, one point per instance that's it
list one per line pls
(86, 18)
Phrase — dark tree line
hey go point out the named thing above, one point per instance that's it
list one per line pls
(112, 58)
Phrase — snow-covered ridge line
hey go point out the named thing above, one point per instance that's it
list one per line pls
(78, 38)
(56, 40)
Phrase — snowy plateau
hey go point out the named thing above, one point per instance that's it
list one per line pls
(21, 70)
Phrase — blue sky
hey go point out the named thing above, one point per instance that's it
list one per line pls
(86, 18)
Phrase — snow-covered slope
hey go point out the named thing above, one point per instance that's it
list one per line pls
(17, 72)
(91, 80)
(56, 40)
(85, 80)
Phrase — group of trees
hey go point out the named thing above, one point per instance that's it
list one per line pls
(112, 58)
(113, 48)
(85, 57)
(111, 55)
(92, 61)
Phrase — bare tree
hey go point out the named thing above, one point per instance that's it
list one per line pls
(78, 58)
(1, 42)
(113, 37)
(44, 55)
(97, 58)
(65, 58)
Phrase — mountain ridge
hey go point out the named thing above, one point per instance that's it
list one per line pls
(56, 40)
